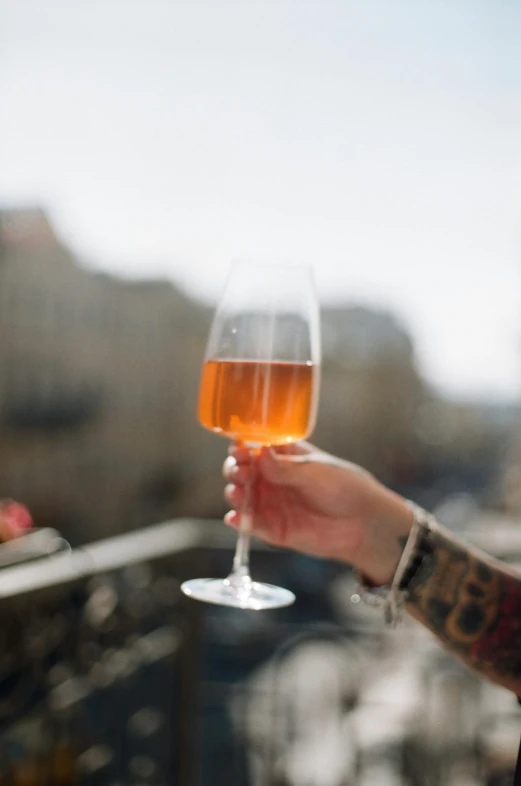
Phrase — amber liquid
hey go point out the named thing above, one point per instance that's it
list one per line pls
(258, 402)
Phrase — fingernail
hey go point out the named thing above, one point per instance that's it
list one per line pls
(231, 519)
(229, 465)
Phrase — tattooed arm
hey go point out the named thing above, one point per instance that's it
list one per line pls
(473, 605)
(310, 501)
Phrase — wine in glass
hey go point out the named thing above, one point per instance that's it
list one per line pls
(259, 385)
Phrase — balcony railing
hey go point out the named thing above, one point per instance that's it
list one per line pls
(108, 675)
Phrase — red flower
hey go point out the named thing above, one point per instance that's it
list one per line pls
(15, 519)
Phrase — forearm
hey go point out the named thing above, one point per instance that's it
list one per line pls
(473, 605)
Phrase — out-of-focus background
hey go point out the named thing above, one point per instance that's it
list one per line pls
(143, 146)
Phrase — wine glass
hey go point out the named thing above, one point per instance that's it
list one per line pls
(259, 385)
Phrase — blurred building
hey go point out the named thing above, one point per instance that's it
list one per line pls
(98, 381)
(98, 390)
(372, 390)
(511, 476)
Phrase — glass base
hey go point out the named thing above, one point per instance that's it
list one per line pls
(250, 595)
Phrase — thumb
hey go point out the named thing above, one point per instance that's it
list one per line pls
(284, 469)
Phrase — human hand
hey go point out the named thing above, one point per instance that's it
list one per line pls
(307, 500)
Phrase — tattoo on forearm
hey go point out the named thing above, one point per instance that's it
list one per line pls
(472, 606)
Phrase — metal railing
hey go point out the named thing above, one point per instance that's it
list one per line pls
(98, 664)
(108, 675)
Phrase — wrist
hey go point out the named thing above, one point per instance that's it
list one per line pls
(386, 530)
(419, 545)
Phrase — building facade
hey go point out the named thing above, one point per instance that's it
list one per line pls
(98, 387)
(98, 392)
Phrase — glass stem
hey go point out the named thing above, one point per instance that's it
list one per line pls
(240, 575)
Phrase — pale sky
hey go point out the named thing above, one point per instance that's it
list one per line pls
(379, 140)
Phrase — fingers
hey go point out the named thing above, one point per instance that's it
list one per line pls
(293, 449)
(279, 464)
(269, 534)
(234, 495)
(242, 454)
(287, 468)
(229, 467)
(232, 519)
(237, 473)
